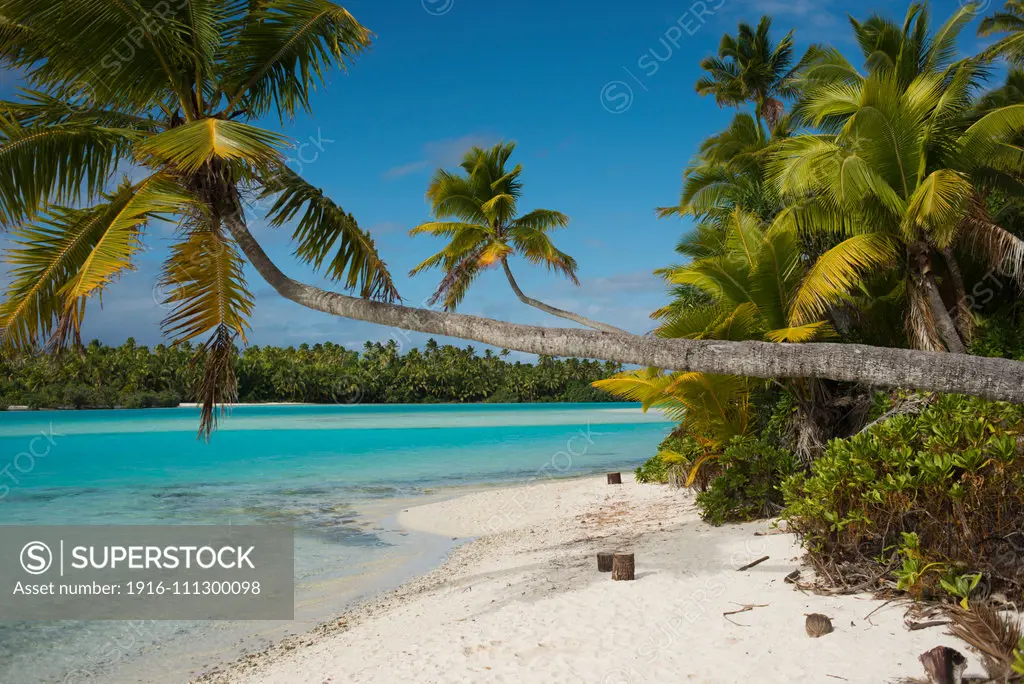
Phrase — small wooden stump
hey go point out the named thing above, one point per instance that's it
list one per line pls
(604, 562)
(944, 665)
(614, 478)
(818, 625)
(623, 566)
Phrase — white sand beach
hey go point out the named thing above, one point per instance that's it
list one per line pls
(524, 602)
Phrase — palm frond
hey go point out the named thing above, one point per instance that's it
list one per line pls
(188, 148)
(72, 254)
(536, 247)
(44, 164)
(286, 48)
(205, 285)
(937, 207)
(837, 271)
(325, 229)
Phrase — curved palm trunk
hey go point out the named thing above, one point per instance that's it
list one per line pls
(990, 378)
(561, 313)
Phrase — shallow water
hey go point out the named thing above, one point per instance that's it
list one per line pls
(337, 474)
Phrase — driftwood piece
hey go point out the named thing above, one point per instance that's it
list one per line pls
(743, 609)
(623, 566)
(604, 562)
(614, 478)
(914, 626)
(944, 665)
(760, 560)
(818, 625)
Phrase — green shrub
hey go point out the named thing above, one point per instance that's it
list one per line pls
(1000, 335)
(503, 396)
(916, 499)
(678, 449)
(749, 483)
(654, 470)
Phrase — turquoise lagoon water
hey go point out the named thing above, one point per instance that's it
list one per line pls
(336, 473)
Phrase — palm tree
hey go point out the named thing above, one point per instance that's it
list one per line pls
(748, 276)
(903, 205)
(750, 68)
(479, 214)
(728, 173)
(180, 110)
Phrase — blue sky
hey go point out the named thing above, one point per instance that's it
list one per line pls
(599, 97)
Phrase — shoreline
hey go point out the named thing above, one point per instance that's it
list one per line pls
(521, 600)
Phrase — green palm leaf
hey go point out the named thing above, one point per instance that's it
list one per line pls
(73, 254)
(838, 271)
(284, 50)
(54, 163)
(206, 288)
(323, 230)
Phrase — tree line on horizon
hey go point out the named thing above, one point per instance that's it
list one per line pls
(137, 376)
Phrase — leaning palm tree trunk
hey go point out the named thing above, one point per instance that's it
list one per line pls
(990, 378)
(561, 313)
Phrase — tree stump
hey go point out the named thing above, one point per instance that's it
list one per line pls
(944, 665)
(604, 562)
(614, 478)
(623, 566)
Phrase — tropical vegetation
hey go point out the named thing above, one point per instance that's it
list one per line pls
(136, 376)
(478, 212)
(875, 203)
(98, 147)
(856, 229)
(919, 500)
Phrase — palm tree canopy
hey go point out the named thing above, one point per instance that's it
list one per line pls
(901, 168)
(179, 111)
(478, 212)
(749, 67)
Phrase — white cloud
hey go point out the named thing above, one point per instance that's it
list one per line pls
(442, 153)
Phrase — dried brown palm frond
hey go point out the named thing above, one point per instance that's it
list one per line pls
(991, 634)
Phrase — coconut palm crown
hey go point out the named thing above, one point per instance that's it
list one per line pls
(898, 180)
(164, 94)
(478, 212)
(750, 68)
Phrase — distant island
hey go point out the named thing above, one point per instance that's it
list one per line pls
(97, 376)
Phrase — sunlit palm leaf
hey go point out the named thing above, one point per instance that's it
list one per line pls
(123, 54)
(693, 322)
(205, 286)
(72, 254)
(802, 333)
(188, 148)
(937, 207)
(112, 254)
(837, 271)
